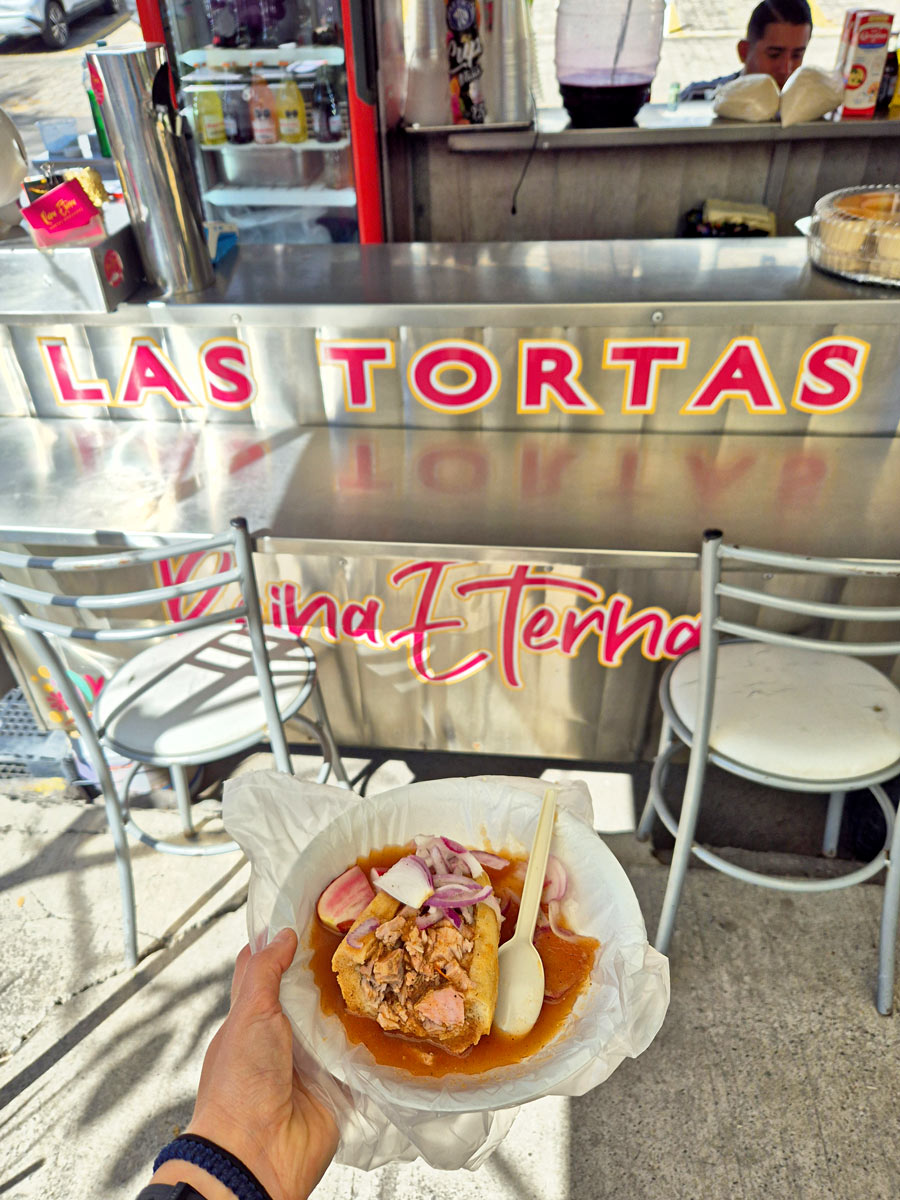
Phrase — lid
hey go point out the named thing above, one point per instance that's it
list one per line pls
(855, 232)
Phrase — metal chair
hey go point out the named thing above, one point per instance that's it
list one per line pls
(210, 685)
(784, 709)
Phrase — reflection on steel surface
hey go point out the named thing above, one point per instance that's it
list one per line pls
(558, 538)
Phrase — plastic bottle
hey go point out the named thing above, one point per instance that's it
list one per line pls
(888, 80)
(236, 111)
(209, 120)
(327, 126)
(263, 111)
(605, 66)
(291, 112)
(227, 23)
(327, 22)
(89, 87)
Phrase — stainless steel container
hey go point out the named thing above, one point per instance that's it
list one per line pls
(132, 88)
(268, 166)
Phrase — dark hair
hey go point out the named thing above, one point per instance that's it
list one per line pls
(770, 12)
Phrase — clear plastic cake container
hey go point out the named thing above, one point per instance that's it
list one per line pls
(855, 233)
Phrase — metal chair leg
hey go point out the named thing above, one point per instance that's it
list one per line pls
(687, 823)
(887, 944)
(123, 867)
(645, 824)
(180, 782)
(325, 725)
(833, 823)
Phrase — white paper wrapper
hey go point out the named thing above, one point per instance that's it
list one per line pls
(299, 836)
(747, 98)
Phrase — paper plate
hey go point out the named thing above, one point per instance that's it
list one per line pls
(603, 1026)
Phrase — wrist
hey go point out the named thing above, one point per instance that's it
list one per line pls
(228, 1176)
(207, 1185)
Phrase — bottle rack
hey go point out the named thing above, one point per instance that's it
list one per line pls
(216, 56)
(273, 175)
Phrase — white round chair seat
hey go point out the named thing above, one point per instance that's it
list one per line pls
(800, 714)
(194, 697)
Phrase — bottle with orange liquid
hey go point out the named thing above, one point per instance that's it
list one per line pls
(263, 109)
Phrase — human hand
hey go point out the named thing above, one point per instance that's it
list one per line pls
(251, 1101)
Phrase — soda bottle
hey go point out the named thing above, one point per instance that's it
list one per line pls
(291, 112)
(271, 15)
(263, 111)
(209, 121)
(326, 114)
(888, 82)
(327, 22)
(227, 23)
(236, 111)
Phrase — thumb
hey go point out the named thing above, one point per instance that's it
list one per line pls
(262, 975)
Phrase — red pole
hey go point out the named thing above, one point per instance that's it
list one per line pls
(364, 144)
(151, 21)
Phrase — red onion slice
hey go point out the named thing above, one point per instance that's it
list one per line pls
(554, 912)
(555, 881)
(457, 895)
(492, 861)
(428, 918)
(454, 846)
(408, 881)
(356, 936)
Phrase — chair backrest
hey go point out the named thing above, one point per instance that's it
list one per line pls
(234, 565)
(713, 589)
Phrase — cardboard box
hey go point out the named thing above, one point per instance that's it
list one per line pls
(861, 57)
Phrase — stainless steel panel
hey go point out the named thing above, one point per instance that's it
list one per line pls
(267, 166)
(68, 278)
(153, 164)
(345, 510)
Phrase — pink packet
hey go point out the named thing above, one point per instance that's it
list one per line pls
(63, 216)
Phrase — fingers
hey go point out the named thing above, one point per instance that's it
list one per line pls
(240, 968)
(257, 977)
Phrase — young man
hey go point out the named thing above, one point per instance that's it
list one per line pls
(777, 36)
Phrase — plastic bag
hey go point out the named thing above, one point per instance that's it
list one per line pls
(299, 836)
(810, 93)
(747, 98)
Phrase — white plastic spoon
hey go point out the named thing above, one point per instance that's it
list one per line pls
(520, 992)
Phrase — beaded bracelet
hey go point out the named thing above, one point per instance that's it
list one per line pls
(219, 1163)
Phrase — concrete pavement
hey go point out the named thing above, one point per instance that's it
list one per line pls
(773, 1075)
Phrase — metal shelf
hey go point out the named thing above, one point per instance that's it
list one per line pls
(269, 56)
(279, 197)
(256, 148)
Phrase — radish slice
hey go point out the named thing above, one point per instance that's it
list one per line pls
(344, 899)
(408, 881)
(356, 936)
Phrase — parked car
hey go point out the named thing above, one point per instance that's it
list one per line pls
(49, 18)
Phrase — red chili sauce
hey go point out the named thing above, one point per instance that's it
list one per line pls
(567, 968)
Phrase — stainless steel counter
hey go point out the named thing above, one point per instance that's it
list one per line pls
(494, 496)
(690, 124)
(508, 574)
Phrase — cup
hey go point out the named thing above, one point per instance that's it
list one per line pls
(60, 137)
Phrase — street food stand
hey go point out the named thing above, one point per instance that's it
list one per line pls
(479, 473)
(633, 182)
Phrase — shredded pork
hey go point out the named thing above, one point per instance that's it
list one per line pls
(415, 979)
